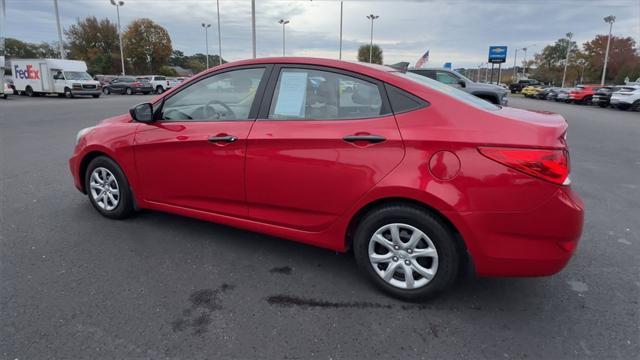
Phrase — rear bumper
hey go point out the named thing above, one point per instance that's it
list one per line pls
(534, 243)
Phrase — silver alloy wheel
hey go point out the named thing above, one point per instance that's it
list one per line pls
(104, 188)
(403, 256)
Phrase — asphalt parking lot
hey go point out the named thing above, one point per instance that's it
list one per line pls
(76, 285)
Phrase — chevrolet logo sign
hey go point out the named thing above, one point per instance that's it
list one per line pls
(498, 50)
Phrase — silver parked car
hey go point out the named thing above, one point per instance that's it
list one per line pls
(492, 93)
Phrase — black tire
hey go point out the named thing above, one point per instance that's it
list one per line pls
(29, 91)
(125, 207)
(635, 106)
(106, 91)
(159, 89)
(438, 232)
(129, 91)
(67, 93)
(602, 105)
(95, 96)
(146, 93)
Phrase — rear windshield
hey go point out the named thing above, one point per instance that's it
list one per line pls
(449, 90)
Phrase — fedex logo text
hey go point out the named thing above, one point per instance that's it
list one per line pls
(29, 74)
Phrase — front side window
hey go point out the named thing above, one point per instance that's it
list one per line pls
(221, 97)
(447, 78)
(323, 95)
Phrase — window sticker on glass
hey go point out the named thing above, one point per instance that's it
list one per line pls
(291, 94)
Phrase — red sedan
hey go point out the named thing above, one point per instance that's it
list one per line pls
(420, 179)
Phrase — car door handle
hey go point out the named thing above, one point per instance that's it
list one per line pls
(225, 138)
(367, 138)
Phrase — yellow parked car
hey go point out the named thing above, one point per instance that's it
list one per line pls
(531, 91)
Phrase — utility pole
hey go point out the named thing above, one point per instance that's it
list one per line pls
(117, 4)
(566, 60)
(371, 17)
(206, 40)
(340, 51)
(219, 34)
(524, 64)
(609, 19)
(60, 44)
(283, 22)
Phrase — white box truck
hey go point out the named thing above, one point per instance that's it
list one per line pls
(33, 77)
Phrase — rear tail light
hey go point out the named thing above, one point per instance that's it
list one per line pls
(546, 164)
(137, 84)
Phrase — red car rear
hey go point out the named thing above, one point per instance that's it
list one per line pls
(583, 94)
(419, 178)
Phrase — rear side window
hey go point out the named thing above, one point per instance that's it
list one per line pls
(323, 95)
(401, 101)
(160, 78)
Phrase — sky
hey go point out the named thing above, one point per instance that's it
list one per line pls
(457, 31)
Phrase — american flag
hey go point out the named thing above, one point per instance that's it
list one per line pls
(423, 59)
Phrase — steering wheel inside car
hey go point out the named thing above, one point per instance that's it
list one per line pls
(218, 115)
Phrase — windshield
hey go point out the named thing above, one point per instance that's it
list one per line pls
(77, 75)
(449, 90)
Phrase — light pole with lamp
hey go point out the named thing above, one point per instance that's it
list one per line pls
(609, 19)
(566, 60)
(283, 22)
(219, 34)
(117, 4)
(371, 17)
(206, 40)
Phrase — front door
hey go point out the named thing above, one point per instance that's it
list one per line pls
(194, 156)
(322, 141)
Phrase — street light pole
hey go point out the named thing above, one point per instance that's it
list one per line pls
(219, 34)
(609, 19)
(524, 63)
(371, 17)
(206, 40)
(60, 45)
(117, 4)
(566, 60)
(515, 56)
(253, 26)
(340, 51)
(283, 22)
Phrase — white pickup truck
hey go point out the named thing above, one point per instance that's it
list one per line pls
(160, 83)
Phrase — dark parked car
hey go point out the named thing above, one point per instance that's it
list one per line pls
(521, 84)
(104, 79)
(602, 97)
(545, 92)
(127, 85)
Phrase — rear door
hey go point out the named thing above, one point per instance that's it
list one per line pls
(194, 156)
(323, 139)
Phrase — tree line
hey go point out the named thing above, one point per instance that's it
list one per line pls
(147, 48)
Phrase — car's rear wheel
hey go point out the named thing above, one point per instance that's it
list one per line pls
(108, 189)
(106, 91)
(159, 90)
(129, 91)
(29, 91)
(406, 251)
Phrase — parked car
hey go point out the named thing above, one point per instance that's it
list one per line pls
(521, 84)
(128, 85)
(104, 79)
(544, 93)
(602, 96)
(563, 95)
(582, 94)
(492, 93)
(531, 91)
(628, 97)
(553, 93)
(420, 179)
(159, 83)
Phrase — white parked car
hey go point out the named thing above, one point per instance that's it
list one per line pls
(628, 97)
(160, 83)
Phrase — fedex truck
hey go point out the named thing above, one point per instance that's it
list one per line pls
(67, 78)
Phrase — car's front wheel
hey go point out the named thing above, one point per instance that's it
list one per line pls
(129, 91)
(106, 91)
(406, 251)
(108, 188)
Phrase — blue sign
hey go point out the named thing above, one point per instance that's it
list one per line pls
(497, 54)
(447, 65)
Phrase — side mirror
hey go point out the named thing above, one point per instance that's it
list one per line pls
(462, 83)
(142, 113)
